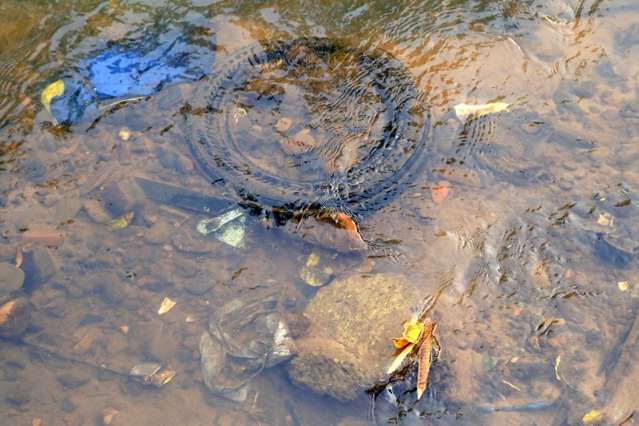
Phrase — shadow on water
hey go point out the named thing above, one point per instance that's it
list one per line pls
(204, 152)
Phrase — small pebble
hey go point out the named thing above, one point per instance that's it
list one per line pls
(283, 124)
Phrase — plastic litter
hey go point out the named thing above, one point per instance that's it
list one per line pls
(131, 68)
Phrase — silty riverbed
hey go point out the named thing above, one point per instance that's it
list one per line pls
(222, 212)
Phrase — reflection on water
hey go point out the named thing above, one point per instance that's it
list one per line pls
(533, 239)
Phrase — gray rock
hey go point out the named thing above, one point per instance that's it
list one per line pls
(158, 233)
(40, 266)
(348, 346)
(68, 405)
(73, 379)
(16, 393)
(96, 211)
(11, 280)
(119, 197)
(200, 284)
(110, 287)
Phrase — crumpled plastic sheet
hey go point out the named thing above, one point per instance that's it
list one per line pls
(130, 68)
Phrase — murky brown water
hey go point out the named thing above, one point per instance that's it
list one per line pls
(534, 240)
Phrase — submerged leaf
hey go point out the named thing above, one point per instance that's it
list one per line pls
(122, 221)
(464, 110)
(397, 362)
(166, 305)
(439, 192)
(591, 417)
(53, 90)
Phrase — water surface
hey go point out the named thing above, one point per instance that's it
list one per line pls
(536, 240)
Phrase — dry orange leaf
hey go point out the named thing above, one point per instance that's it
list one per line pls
(439, 192)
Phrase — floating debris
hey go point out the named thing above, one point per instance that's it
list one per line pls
(228, 227)
(53, 90)
(464, 110)
(424, 356)
(122, 221)
(416, 335)
(166, 305)
(623, 285)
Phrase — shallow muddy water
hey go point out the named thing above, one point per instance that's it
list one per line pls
(523, 220)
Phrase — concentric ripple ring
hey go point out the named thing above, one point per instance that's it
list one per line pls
(378, 84)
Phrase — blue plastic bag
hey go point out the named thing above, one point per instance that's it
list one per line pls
(130, 68)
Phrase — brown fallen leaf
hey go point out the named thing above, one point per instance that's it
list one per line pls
(439, 192)
(424, 358)
(335, 230)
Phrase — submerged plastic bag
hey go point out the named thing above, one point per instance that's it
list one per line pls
(130, 68)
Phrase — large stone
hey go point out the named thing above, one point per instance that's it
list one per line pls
(348, 345)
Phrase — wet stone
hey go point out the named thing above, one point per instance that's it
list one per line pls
(39, 265)
(16, 393)
(68, 405)
(66, 209)
(73, 379)
(120, 197)
(162, 345)
(11, 280)
(159, 232)
(352, 321)
(188, 241)
(610, 254)
(97, 212)
(110, 287)
(200, 284)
